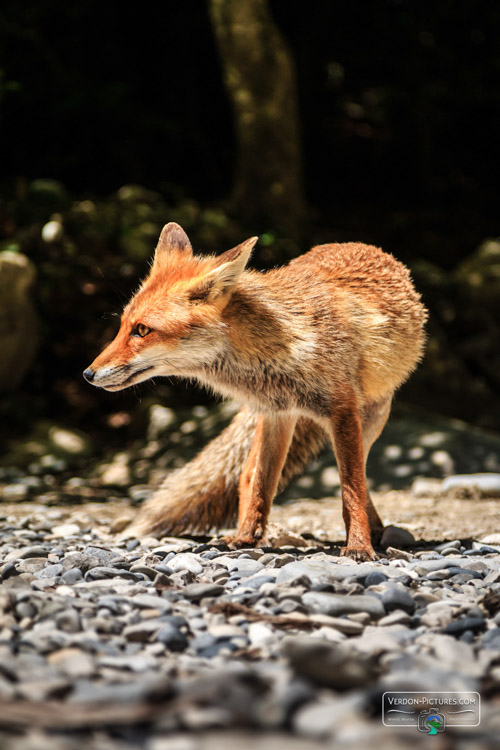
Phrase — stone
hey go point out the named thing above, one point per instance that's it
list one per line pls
(484, 485)
(260, 634)
(226, 631)
(69, 442)
(117, 473)
(241, 565)
(27, 553)
(397, 598)
(150, 601)
(68, 621)
(65, 530)
(374, 578)
(328, 664)
(319, 719)
(457, 627)
(160, 419)
(18, 318)
(25, 609)
(185, 561)
(73, 662)
(172, 638)
(340, 604)
(15, 492)
(72, 576)
(50, 571)
(142, 631)
(148, 688)
(8, 571)
(396, 617)
(173, 742)
(423, 487)
(130, 662)
(197, 591)
(393, 536)
(44, 689)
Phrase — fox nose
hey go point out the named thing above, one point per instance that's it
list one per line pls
(89, 374)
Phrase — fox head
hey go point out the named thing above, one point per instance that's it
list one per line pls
(173, 324)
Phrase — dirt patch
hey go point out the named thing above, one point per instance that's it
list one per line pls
(428, 518)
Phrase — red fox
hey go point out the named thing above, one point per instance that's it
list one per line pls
(314, 350)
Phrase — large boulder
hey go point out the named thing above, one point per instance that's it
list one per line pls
(18, 318)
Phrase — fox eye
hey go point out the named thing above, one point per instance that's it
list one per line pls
(141, 330)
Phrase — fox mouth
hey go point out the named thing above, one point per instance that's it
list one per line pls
(130, 380)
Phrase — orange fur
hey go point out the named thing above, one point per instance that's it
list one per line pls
(324, 342)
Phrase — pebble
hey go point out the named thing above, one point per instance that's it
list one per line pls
(328, 664)
(397, 598)
(68, 620)
(340, 604)
(197, 591)
(204, 639)
(485, 485)
(394, 536)
(65, 530)
(172, 637)
(185, 561)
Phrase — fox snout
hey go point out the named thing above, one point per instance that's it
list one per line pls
(89, 374)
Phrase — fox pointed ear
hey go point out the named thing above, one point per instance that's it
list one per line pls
(172, 237)
(223, 279)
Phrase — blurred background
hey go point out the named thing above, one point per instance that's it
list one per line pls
(300, 122)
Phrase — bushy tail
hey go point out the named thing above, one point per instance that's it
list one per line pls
(203, 494)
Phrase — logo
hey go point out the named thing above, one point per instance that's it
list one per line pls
(431, 711)
(430, 722)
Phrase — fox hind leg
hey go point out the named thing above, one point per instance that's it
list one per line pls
(347, 440)
(374, 417)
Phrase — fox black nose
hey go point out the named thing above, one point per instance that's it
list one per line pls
(88, 374)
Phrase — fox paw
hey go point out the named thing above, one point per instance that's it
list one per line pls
(360, 554)
(237, 542)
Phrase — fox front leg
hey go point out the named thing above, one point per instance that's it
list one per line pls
(259, 478)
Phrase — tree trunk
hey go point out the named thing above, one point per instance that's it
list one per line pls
(260, 79)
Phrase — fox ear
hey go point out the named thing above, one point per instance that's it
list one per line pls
(223, 279)
(172, 237)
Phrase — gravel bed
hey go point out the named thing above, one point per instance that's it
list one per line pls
(170, 643)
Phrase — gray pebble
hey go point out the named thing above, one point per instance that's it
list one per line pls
(149, 601)
(338, 604)
(72, 576)
(172, 637)
(197, 591)
(374, 578)
(487, 485)
(397, 598)
(393, 536)
(185, 561)
(142, 631)
(457, 627)
(50, 571)
(328, 664)
(69, 621)
(26, 553)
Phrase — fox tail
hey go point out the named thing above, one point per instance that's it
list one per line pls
(202, 495)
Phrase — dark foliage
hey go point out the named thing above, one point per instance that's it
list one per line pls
(399, 105)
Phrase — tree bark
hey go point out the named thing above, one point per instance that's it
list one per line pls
(260, 79)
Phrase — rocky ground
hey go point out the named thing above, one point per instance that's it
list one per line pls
(113, 643)
(177, 643)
